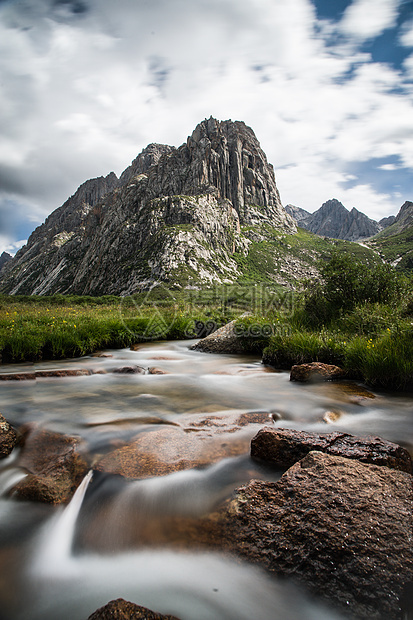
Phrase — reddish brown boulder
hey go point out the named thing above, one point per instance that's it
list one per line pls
(8, 438)
(284, 447)
(124, 610)
(55, 467)
(316, 371)
(341, 527)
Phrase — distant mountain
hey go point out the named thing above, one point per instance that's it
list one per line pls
(4, 258)
(300, 215)
(387, 221)
(333, 220)
(395, 243)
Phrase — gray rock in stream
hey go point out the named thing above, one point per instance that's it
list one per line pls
(223, 340)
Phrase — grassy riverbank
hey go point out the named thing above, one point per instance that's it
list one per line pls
(358, 318)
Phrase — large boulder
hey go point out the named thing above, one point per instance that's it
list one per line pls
(8, 438)
(341, 527)
(124, 610)
(223, 340)
(283, 447)
(316, 371)
(55, 467)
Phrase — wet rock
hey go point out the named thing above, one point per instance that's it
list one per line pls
(17, 376)
(129, 370)
(124, 610)
(135, 347)
(223, 340)
(8, 437)
(316, 371)
(39, 374)
(197, 441)
(157, 371)
(341, 527)
(72, 372)
(55, 467)
(284, 447)
(331, 416)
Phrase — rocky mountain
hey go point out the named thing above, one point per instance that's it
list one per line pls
(387, 221)
(300, 215)
(178, 215)
(333, 220)
(395, 243)
(4, 258)
(402, 221)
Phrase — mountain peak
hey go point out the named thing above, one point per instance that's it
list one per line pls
(175, 214)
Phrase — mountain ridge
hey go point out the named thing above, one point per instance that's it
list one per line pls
(174, 215)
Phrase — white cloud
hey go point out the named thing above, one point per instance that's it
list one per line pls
(406, 37)
(82, 95)
(388, 167)
(367, 19)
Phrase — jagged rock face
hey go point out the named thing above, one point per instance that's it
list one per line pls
(333, 220)
(300, 215)
(4, 258)
(174, 215)
(387, 221)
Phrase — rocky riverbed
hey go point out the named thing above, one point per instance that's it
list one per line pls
(219, 491)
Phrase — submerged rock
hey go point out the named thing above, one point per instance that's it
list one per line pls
(193, 442)
(55, 467)
(316, 371)
(124, 610)
(8, 437)
(129, 370)
(341, 527)
(284, 447)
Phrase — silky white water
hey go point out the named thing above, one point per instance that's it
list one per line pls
(65, 563)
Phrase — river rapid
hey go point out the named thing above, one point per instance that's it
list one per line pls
(50, 568)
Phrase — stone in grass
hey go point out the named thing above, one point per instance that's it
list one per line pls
(283, 447)
(124, 610)
(8, 437)
(340, 527)
(316, 371)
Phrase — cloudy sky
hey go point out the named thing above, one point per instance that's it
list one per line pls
(85, 85)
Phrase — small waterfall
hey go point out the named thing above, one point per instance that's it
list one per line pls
(57, 538)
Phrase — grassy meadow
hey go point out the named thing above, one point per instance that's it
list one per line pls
(356, 317)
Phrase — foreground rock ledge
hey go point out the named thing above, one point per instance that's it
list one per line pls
(341, 527)
(284, 447)
(124, 610)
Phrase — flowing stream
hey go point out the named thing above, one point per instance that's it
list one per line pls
(65, 562)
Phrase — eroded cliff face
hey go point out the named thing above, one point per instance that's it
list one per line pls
(175, 215)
